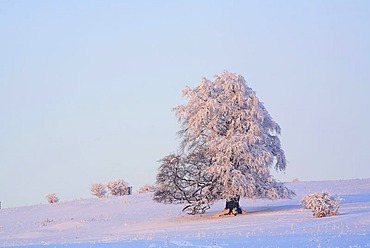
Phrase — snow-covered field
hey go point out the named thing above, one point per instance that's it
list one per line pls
(137, 221)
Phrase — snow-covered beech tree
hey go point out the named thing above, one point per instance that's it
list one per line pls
(52, 198)
(321, 204)
(118, 187)
(98, 189)
(229, 144)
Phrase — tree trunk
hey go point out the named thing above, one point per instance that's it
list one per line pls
(232, 206)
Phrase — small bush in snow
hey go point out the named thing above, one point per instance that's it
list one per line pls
(52, 198)
(118, 187)
(98, 189)
(147, 188)
(321, 204)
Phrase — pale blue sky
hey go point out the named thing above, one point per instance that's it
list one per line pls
(87, 87)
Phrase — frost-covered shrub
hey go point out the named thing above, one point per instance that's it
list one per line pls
(98, 189)
(321, 204)
(147, 188)
(118, 187)
(52, 198)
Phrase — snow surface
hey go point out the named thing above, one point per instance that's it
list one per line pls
(137, 221)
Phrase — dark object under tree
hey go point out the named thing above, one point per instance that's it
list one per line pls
(233, 207)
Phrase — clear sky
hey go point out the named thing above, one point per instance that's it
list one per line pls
(87, 87)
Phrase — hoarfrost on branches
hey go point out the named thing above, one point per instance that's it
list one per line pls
(118, 187)
(229, 144)
(98, 189)
(321, 204)
(52, 198)
(147, 188)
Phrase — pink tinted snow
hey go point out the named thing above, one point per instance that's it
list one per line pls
(137, 217)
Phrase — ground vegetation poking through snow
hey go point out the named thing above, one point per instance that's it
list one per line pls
(98, 189)
(138, 221)
(321, 204)
(229, 144)
(52, 198)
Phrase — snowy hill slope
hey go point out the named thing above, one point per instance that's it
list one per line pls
(138, 221)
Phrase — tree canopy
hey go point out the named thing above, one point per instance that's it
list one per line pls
(229, 144)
